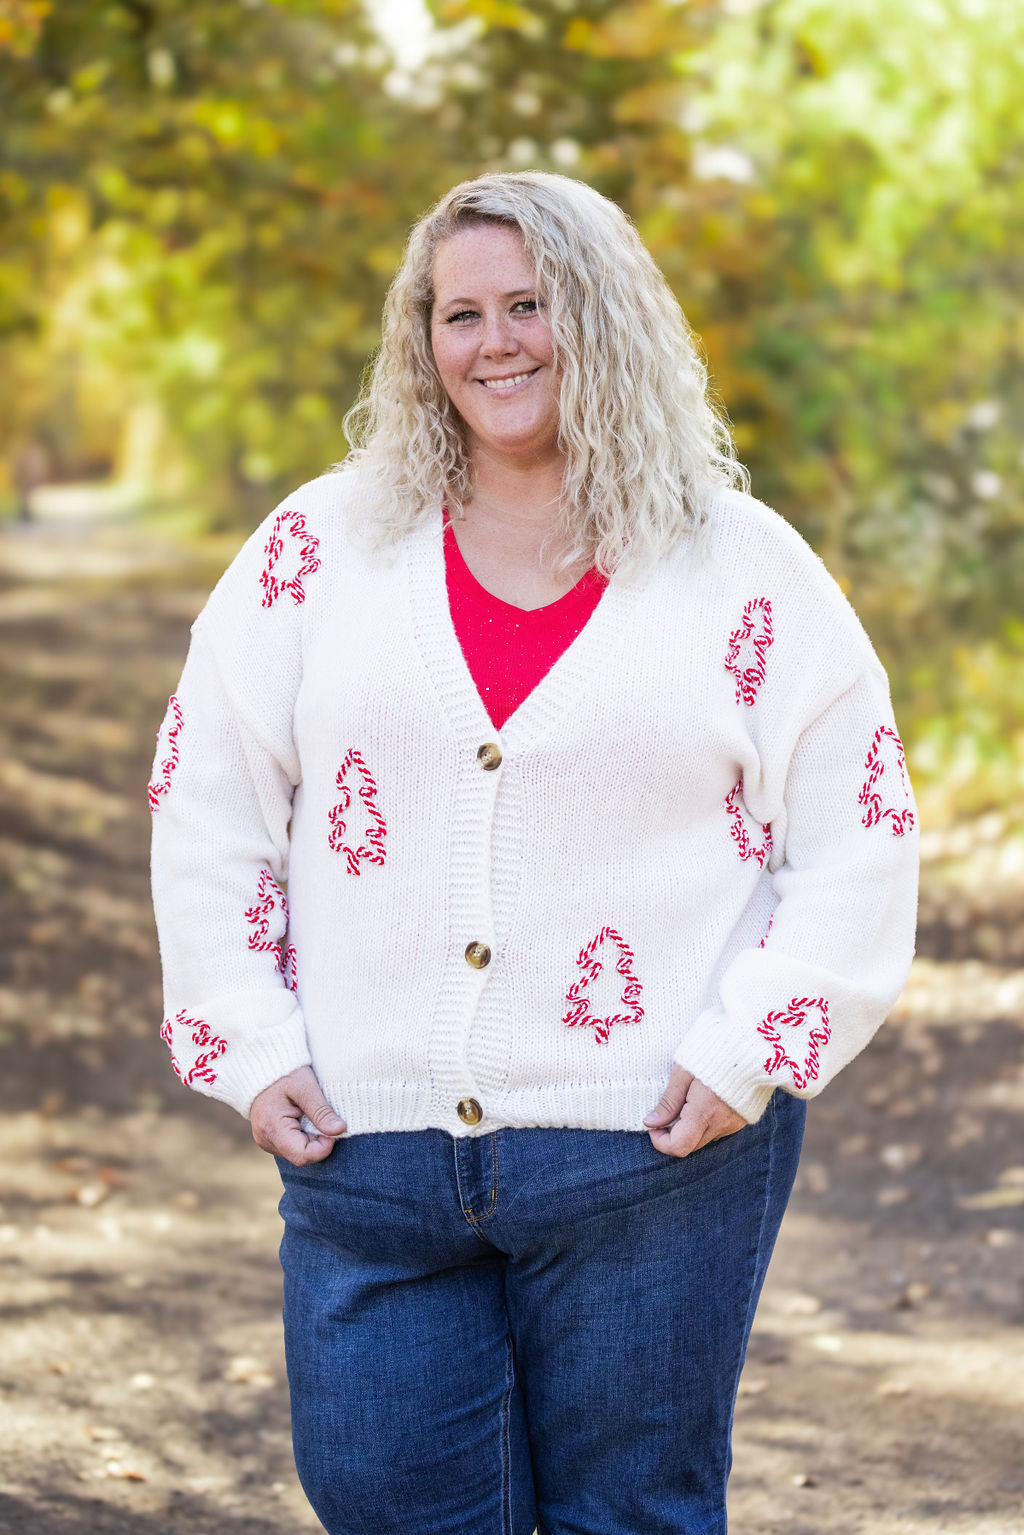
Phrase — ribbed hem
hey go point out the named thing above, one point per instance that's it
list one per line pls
(369, 1107)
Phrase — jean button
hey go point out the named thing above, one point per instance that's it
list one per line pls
(469, 1111)
(478, 955)
(489, 756)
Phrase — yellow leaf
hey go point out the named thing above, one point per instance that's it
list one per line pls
(992, 1199)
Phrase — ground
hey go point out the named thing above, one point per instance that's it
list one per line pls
(142, 1385)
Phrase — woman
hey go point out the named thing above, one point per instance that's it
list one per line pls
(585, 783)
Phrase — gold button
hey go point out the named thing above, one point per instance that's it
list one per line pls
(489, 756)
(478, 955)
(469, 1111)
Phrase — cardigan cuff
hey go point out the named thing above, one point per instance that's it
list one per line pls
(711, 1052)
(234, 1046)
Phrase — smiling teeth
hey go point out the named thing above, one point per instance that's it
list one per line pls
(504, 383)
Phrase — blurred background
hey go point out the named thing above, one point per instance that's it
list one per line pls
(201, 207)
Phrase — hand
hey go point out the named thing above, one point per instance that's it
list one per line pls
(689, 1115)
(276, 1113)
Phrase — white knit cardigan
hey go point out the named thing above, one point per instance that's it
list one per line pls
(694, 841)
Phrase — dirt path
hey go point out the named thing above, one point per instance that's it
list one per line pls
(141, 1372)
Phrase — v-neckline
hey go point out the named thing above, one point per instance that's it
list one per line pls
(474, 588)
(571, 676)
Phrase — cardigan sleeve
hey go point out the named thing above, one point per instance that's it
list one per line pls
(221, 797)
(794, 1010)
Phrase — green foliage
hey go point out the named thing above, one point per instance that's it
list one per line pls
(837, 195)
(202, 202)
(968, 750)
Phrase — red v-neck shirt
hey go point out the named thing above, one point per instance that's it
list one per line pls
(509, 650)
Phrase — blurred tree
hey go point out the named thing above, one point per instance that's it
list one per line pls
(836, 194)
(202, 204)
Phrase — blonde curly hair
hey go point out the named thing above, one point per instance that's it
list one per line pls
(643, 439)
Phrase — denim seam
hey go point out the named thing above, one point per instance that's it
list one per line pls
(506, 1441)
(755, 1265)
(759, 1244)
(467, 1210)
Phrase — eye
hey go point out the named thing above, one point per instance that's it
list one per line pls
(463, 314)
(529, 304)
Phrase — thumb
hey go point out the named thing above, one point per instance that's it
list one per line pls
(672, 1099)
(317, 1110)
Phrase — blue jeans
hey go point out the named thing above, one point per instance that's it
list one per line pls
(535, 1328)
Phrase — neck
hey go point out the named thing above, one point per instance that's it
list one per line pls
(523, 497)
(501, 537)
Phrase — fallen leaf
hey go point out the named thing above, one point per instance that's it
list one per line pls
(992, 1199)
(124, 1473)
(89, 1195)
(912, 1295)
(899, 1157)
(245, 1370)
(114, 1178)
(828, 1342)
(893, 1194)
(1000, 1236)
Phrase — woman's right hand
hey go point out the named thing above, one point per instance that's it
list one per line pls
(276, 1114)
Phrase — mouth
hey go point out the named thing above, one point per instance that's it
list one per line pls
(507, 385)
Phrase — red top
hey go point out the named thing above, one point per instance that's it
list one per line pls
(508, 649)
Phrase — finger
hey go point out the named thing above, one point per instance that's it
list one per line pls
(296, 1146)
(672, 1099)
(318, 1111)
(686, 1135)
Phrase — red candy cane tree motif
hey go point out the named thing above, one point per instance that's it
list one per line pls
(166, 755)
(817, 1036)
(748, 645)
(738, 829)
(270, 898)
(299, 562)
(371, 849)
(767, 930)
(210, 1046)
(885, 791)
(578, 994)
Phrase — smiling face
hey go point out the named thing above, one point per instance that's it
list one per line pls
(492, 345)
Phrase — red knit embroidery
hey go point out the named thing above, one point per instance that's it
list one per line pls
(211, 1046)
(891, 777)
(577, 995)
(168, 736)
(292, 524)
(767, 930)
(738, 829)
(269, 898)
(793, 1017)
(753, 637)
(372, 849)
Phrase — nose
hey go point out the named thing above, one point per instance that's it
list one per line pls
(497, 339)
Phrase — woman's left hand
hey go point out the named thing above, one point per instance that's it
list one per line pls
(689, 1115)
